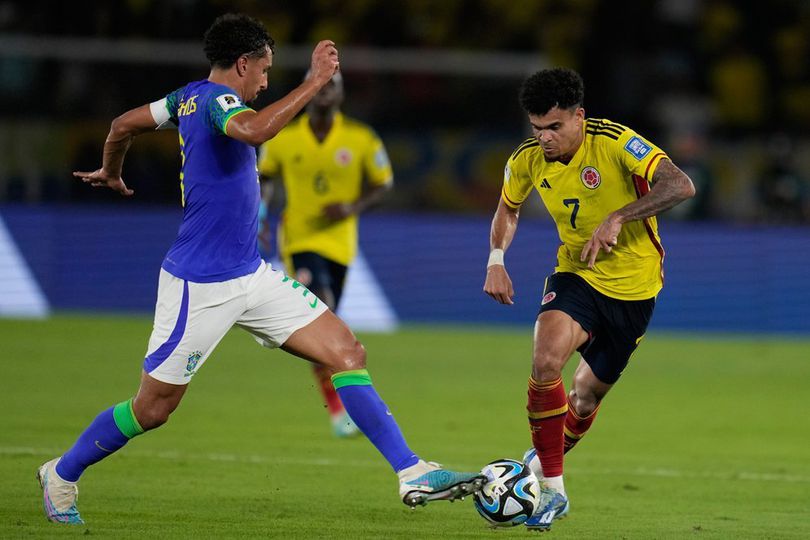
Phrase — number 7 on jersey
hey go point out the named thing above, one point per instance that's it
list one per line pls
(575, 203)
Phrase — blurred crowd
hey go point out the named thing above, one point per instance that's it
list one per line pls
(723, 86)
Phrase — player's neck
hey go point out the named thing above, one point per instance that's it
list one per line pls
(226, 77)
(321, 122)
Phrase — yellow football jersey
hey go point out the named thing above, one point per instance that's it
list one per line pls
(611, 168)
(316, 174)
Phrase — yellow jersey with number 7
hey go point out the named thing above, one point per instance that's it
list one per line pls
(612, 167)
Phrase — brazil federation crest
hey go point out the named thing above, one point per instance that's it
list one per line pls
(343, 156)
(193, 360)
(590, 177)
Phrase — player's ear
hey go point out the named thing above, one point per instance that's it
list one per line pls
(241, 65)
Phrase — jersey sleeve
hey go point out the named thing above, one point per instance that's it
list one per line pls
(269, 157)
(638, 155)
(221, 106)
(376, 162)
(517, 181)
(164, 111)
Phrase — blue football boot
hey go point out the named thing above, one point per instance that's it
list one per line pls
(428, 481)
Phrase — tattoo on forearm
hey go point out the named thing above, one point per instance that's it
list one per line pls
(670, 187)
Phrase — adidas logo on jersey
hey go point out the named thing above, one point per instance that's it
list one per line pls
(545, 184)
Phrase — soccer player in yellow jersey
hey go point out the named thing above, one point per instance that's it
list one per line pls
(595, 179)
(323, 159)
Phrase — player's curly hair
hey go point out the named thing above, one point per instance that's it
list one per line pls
(232, 35)
(549, 88)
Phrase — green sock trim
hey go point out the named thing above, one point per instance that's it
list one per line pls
(355, 377)
(125, 419)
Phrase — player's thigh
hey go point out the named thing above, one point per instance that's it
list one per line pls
(620, 330)
(328, 342)
(278, 306)
(312, 270)
(565, 320)
(337, 275)
(190, 320)
(587, 388)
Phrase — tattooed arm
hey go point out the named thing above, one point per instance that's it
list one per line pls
(670, 187)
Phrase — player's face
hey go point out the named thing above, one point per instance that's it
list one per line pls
(559, 132)
(256, 74)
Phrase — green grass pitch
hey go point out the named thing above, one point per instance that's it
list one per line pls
(704, 437)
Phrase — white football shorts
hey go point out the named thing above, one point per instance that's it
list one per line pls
(191, 318)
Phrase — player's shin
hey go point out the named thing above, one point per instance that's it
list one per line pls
(373, 418)
(110, 431)
(547, 407)
(576, 426)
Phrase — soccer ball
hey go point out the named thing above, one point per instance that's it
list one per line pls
(511, 494)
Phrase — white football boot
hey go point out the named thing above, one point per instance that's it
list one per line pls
(58, 496)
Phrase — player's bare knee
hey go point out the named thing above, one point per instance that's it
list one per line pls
(583, 405)
(153, 416)
(546, 366)
(354, 357)
(585, 408)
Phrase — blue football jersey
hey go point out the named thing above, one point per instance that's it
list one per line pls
(219, 185)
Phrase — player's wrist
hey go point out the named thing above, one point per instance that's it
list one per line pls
(617, 217)
(495, 257)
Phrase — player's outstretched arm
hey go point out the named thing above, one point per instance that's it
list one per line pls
(122, 131)
(498, 284)
(256, 128)
(670, 187)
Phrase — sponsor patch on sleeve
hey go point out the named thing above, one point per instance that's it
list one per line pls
(637, 148)
(507, 173)
(228, 102)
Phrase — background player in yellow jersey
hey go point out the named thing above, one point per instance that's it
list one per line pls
(323, 159)
(594, 177)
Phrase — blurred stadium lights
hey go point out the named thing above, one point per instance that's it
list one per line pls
(146, 51)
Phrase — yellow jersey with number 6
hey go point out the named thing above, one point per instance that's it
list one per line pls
(612, 167)
(318, 173)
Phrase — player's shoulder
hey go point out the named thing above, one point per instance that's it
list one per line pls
(610, 137)
(616, 139)
(606, 131)
(526, 154)
(525, 149)
(227, 98)
(357, 126)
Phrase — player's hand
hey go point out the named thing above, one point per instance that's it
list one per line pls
(324, 62)
(337, 211)
(606, 236)
(99, 178)
(498, 284)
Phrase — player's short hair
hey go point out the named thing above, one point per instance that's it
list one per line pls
(232, 35)
(549, 88)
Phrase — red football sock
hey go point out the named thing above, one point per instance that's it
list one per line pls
(330, 396)
(576, 426)
(547, 411)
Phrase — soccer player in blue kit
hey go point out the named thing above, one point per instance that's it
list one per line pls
(213, 277)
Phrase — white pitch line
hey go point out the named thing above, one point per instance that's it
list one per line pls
(172, 455)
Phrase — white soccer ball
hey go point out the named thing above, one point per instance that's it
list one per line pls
(511, 494)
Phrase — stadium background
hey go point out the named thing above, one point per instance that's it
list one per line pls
(725, 90)
(707, 435)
